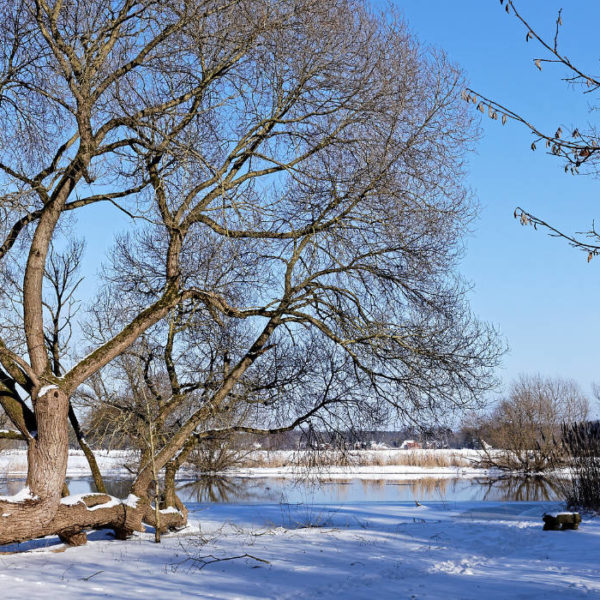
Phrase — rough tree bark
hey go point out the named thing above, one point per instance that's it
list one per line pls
(28, 515)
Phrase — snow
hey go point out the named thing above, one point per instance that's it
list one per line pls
(112, 502)
(21, 496)
(168, 510)
(112, 463)
(131, 500)
(46, 389)
(73, 499)
(76, 498)
(364, 472)
(385, 550)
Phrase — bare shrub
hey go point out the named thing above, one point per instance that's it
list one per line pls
(216, 455)
(582, 443)
(523, 432)
(262, 459)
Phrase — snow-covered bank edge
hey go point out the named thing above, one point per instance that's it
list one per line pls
(363, 472)
(113, 464)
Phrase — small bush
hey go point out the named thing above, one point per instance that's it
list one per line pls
(216, 455)
(582, 442)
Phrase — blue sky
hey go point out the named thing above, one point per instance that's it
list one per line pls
(540, 293)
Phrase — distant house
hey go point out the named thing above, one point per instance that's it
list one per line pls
(410, 445)
(373, 445)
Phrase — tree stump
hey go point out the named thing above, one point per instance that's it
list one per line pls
(561, 521)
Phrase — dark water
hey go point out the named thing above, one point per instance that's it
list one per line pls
(273, 489)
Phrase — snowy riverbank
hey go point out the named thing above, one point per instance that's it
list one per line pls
(354, 551)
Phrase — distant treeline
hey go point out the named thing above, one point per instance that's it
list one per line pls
(441, 437)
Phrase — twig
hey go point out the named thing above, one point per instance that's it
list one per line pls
(90, 576)
(203, 561)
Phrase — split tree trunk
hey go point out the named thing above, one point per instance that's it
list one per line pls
(38, 511)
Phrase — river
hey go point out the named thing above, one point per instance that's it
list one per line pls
(260, 490)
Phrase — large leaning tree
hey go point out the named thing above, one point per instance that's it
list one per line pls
(293, 172)
(577, 146)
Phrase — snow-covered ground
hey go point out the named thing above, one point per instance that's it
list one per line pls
(355, 551)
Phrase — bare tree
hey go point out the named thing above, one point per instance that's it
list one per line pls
(577, 146)
(524, 430)
(178, 365)
(295, 167)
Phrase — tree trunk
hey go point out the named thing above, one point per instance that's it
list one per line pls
(170, 496)
(171, 468)
(89, 454)
(27, 515)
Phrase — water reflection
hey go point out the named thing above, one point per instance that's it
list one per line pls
(272, 489)
(116, 487)
(250, 490)
(429, 488)
(522, 489)
(215, 489)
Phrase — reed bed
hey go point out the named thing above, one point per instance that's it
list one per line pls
(361, 458)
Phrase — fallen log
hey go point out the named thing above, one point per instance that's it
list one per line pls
(76, 514)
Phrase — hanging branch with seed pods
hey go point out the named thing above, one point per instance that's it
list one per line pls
(578, 148)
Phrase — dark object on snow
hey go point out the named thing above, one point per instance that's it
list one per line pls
(562, 521)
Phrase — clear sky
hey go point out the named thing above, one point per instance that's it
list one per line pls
(541, 294)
